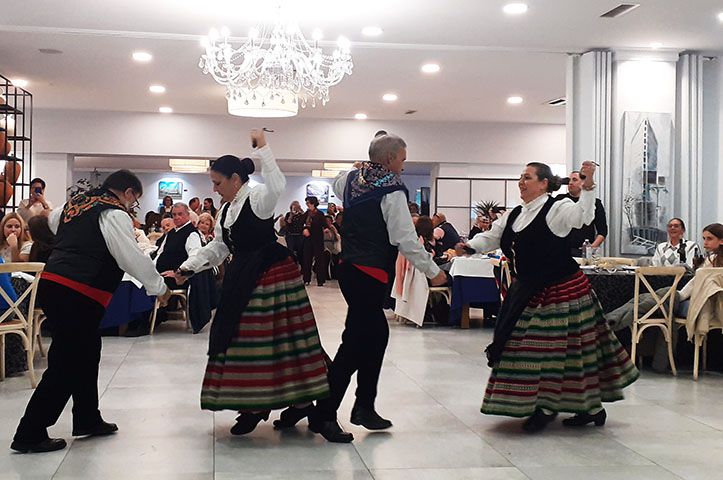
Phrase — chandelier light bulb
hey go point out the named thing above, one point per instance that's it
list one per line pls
(317, 34)
(515, 8)
(343, 43)
(253, 33)
(204, 42)
(213, 35)
(225, 32)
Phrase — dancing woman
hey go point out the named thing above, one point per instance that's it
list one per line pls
(264, 349)
(552, 350)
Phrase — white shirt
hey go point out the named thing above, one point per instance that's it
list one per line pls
(687, 290)
(667, 255)
(193, 242)
(263, 200)
(564, 215)
(400, 227)
(26, 210)
(117, 230)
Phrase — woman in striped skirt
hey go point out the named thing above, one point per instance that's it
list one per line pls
(264, 349)
(552, 350)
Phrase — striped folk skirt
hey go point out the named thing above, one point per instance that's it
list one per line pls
(275, 359)
(562, 356)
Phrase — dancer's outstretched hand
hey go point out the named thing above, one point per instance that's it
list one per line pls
(180, 279)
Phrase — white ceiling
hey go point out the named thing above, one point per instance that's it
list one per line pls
(485, 54)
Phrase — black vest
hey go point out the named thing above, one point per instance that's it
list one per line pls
(80, 252)
(249, 232)
(174, 250)
(366, 239)
(451, 237)
(536, 254)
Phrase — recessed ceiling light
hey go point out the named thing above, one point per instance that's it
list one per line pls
(515, 100)
(372, 31)
(656, 45)
(165, 110)
(19, 82)
(515, 8)
(157, 89)
(143, 57)
(720, 17)
(390, 97)
(360, 116)
(431, 68)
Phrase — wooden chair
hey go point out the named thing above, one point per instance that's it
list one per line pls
(38, 319)
(618, 260)
(661, 314)
(183, 296)
(13, 320)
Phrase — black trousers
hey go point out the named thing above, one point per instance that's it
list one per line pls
(313, 255)
(73, 361)
(295, 243)
(363, 343)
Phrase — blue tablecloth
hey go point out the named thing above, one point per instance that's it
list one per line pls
(469, 291)
(129, 303)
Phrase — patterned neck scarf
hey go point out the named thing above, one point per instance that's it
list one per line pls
(372, 180)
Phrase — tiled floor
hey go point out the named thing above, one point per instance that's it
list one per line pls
(431, 388)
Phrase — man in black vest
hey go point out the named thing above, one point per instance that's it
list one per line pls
(594, 232)
(377, 222)
(179, 243)
(450, 238)
(94, 245)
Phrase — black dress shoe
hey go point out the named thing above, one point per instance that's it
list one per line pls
(47, 445)
(369, 419)
(246, 422)
(97, 430)
(291, 416)
(538, 421)
(582, 419)
(330, 430)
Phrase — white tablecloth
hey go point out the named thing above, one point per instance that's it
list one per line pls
(473, 266)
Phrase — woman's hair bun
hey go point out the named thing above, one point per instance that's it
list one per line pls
(554, 184)
(248, 166)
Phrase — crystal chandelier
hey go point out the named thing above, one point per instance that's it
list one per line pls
(275, 70)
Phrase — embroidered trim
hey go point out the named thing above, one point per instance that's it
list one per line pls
(83, 202)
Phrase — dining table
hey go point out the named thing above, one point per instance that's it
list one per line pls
(473, 283)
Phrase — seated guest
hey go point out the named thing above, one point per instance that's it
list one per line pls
(195, 205)
(166, 206)
(167, 223)
(36, 204)
(713, 246)
(209, 207)
(594, 232)
(14, 245)
(205, 226)
(481, 224)
(448, 235)
(677, 250)
(413, 208)
(43, 239)
(145, 244)
(178, 244)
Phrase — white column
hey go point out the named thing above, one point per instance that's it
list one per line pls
(688, 196)
(57, 171)
(589, 114)
(712, 210)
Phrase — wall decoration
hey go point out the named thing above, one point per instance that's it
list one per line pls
(320, 190)
(172, 188)
(647, 180)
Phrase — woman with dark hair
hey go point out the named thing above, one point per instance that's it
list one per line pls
(264, 349)
(209, 207)
(713, 246)
(166, 206)
(677, 250)
(43, 238)
(552, 350)
(313, 253)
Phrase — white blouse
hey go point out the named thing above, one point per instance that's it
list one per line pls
(263, 200)
(687, 290)
(564, 215)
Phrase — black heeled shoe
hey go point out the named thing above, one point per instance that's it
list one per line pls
(582, 419)
(291, 416)
(246, 422)
(538, 421)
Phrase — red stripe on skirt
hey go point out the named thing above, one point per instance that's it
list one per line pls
(264, 368)
(270, 332)
(266, 318)
(212, 382)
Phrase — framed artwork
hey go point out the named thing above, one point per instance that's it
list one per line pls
(320, 190)
(647, 180)
(172, 188)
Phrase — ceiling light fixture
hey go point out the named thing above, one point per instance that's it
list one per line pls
(515, 100)
(720, 17)
(515, 8)
(338, 166)
(19, 82)
(142, 57)
(390, 97)
(188, 165)
(165, 110)
(157, 89)
(620, 10)
(431, 68)
(360, 116)
(372, 31)
(50, 51)
(656, 45)
(324, 173)
(275, 70)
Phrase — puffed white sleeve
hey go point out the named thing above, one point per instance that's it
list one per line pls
(54, 219)
(117, 230)
(565, 215)
(264, 197)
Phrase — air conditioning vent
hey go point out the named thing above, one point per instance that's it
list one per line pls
(557, 102)
(410, 112)
(620, 10)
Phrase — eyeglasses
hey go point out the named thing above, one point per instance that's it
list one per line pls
(136, 203)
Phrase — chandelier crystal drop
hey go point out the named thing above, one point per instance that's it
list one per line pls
(275, 70)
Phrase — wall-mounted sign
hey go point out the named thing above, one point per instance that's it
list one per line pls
(172, 188)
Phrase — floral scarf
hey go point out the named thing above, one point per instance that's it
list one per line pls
(372, 180)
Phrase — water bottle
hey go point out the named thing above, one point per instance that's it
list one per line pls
(586, 249)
